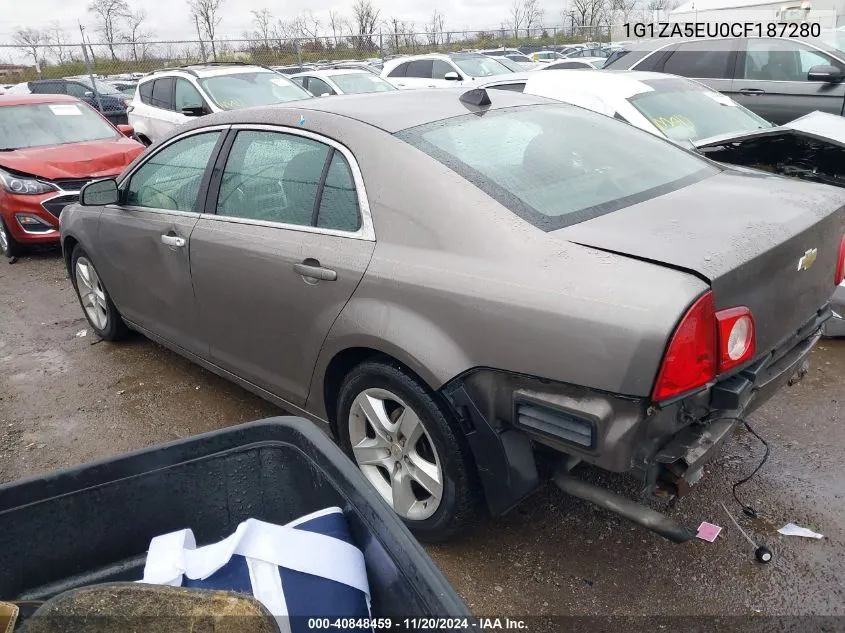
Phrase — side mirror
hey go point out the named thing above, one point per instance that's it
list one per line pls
(825, 73)
(193, 110)
(452, 76)
(99, 193)
(126, 130)
(324, 94)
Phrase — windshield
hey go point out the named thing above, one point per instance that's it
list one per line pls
(510, 64)
(480, 66)
(102, 87)
(361, 82)
(557, 165)
(685, 111)
(43, 124)
(244, 90)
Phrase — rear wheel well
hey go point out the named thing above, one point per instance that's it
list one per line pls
(337, 370)
(67, 250)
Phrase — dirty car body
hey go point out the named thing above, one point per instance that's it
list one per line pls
(536, 318)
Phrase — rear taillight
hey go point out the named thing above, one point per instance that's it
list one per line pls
(690, 359)
(840, 263)
(705, 343)
(736, 337)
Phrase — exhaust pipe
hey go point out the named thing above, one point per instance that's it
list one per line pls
(631, 510)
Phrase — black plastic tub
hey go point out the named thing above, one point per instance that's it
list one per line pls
(93, 523)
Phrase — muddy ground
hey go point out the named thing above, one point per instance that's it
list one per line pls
(67, 399)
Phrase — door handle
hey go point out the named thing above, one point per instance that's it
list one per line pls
(401, 85)
(313, 270)
(173, 240)
(751, 91)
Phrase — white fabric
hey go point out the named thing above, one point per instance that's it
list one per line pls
(173, 555)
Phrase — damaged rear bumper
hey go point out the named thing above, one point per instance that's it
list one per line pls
(508, 417)
(835, 326)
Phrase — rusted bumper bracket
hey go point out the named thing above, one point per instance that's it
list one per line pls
(631, 510)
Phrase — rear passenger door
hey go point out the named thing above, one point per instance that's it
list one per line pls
(711, 62)
(285, 240)
(771, 80)
(418, 75)
(162, 115)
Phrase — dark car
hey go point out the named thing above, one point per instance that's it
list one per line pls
(112, 103)
(780, 79)
(451, 280)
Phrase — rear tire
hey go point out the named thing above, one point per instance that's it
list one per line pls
(407, 444)
(9, 247)
(95, 300)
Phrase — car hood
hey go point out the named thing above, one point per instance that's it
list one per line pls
(73, 160)
(817, 126)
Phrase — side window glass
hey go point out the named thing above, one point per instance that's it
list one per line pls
(171, 178)
(399, 71)
(77, 90)
(420, 68)
(706, 59)
(339, 202)
(146, 92)
(186, 95)
(779, 60)
(319, 87)
(273, 177)
(440, 68)
(163, 93)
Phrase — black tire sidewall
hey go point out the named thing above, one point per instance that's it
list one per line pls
(460, 500)
(115, 328)
(14, 248)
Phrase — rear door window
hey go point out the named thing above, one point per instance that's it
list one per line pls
(145, 90)
(420, 68)
(163, 93)
(318, 87)
(706, 60)
(558, 165)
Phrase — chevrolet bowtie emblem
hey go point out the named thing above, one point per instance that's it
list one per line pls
(807, 259)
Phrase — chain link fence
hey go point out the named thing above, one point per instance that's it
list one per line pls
(126, 58)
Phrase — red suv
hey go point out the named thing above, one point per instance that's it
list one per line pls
(51, 145)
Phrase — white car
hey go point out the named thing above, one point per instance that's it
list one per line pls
(169, 97)
(546, 57)
(570, 64)
(324, 83)
(441, 70)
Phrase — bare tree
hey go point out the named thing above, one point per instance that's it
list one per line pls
(199, 37)
(586, 14)
(205, 11)
(336, 24)
(366, 18)
(532, 14)
(108, 13)
(30, 41)
(57, 39)
(263, 21)
(136, 35)
(517, 16)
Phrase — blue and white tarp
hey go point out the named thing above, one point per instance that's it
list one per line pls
(306, 569)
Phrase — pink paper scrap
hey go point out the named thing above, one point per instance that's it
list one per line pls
(708, 532)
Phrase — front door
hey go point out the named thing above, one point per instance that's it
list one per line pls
(771, 80)
(274, 266)
(146, 240)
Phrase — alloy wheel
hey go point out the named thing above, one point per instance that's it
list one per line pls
(91, 293)
(395, 453)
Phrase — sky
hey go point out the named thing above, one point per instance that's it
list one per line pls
(170, 19)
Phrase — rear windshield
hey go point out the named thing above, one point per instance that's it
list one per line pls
(686, 111)
(557, 165)
(244, 90)
(39, 125)
(364, 81)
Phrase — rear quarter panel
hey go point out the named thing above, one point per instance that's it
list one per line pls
(457, 281)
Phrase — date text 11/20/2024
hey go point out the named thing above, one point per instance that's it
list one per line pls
(721, 29)
(418, 624)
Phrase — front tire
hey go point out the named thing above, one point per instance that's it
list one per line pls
(407, 444)
(96, 303)
(9, 247)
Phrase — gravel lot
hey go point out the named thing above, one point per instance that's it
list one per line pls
(67, 399)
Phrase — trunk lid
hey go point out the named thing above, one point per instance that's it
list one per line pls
(765, 242)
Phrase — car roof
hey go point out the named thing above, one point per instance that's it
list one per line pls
(208, 70)
(389, 111)
(30, 99)
(620, 84)
(511, 78)
(392, 63)
(330, 72)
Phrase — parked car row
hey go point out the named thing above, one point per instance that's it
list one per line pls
(351, 258)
